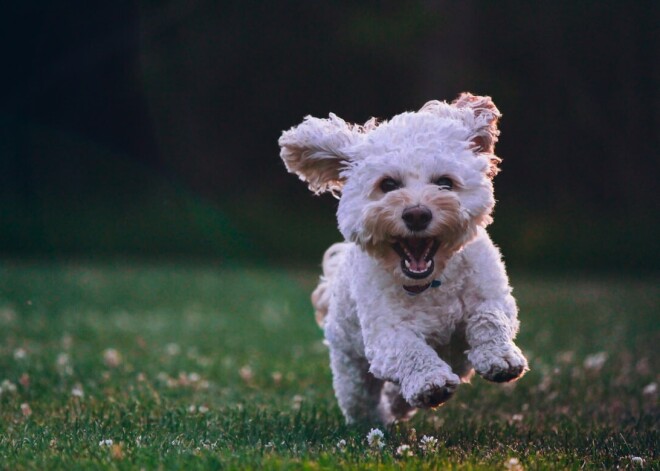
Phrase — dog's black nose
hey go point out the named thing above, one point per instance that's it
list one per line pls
(417, 218)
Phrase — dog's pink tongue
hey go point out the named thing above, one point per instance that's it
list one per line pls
(416, 251)
(418, 265)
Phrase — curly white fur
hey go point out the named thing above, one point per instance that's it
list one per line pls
(397, 342)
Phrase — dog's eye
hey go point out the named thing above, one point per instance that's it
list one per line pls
(444, 183)
(389, 184)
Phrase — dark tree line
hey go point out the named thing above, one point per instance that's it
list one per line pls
(198, 91)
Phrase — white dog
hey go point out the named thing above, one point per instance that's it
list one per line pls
(418, 297)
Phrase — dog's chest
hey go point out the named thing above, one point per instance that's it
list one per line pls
(434, 315)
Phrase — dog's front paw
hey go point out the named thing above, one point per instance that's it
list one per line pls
(500, 363)
(431, 392)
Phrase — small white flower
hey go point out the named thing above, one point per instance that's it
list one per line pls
(269, 445)
(172, 349)
(63, 364)
(296, 402)
(595, 362)
(650, 389)
(20, 354)
(111, 358)
(162, 377)
(202, 409)
(177, 442)
(428, 443)
(404, 451)
(341, 445)
(194, 377)
(106, 442)
(77, 391)
(376, 438)
(26, 410)
(637, 460)
(206, 445)
(63, 360)
(246, 373)
(513, 464)
(7, 386)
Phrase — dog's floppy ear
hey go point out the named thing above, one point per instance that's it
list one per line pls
(483, 124)
(316, 151)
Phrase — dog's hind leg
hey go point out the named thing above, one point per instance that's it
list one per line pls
(357, 390)
(393, 406)
(321, 296)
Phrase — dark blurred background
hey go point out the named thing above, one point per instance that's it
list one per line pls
(149, 128)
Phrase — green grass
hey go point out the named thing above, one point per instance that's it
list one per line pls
(186, 366)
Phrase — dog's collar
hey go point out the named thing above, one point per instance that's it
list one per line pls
(417, 289)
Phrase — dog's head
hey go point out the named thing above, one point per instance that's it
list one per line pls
(413, 190)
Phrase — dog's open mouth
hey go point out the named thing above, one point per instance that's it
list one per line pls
(416, 255)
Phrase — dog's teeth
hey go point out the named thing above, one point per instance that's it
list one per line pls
(407, 264)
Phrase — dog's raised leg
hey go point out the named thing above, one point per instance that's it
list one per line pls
(401, 356)
(493, 354)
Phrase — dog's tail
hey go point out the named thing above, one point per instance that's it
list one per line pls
(321, 295)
